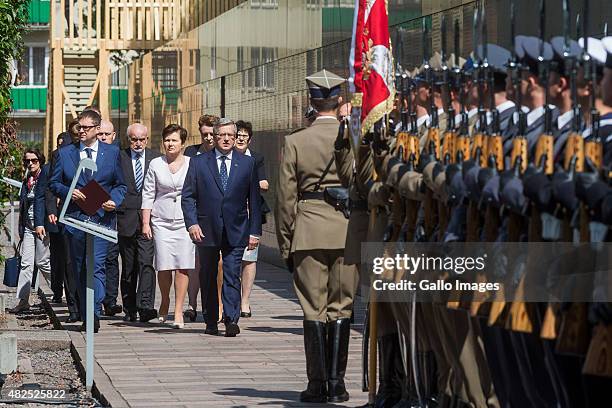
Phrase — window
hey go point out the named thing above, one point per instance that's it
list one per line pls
(32, 68)
(271, 4)
(213, 62)
(263, 62)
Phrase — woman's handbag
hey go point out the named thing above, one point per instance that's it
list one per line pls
(12, 266)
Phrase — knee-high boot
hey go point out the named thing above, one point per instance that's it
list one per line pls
(337, 348)
(392, 374)
(316, 367)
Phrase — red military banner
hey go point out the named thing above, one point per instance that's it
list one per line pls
(371, 63)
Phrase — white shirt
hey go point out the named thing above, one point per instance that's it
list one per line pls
(247, 152)
(534, 115)
(228, 160)
(472, 112)
(142, 161)
(505, 106)
(421, 120)
(564, 119)
(94, 150)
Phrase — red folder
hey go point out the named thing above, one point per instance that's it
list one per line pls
(95, 196)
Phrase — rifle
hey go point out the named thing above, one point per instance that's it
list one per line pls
(544, 145)
(432, 142)
(448, 145)
(448, 141)
(478, 141)
(462, 141)
(500, 309)
(573, 334)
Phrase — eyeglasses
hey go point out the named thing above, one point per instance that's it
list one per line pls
(228, 135)
(28, 161)
(135, 140)
(84, 128)
(243, 136)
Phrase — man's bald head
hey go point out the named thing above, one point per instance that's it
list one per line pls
(138, 136)
(106, 132)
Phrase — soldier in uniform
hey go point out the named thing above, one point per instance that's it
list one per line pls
(311, 236)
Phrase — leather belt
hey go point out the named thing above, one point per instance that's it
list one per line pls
(311, 195)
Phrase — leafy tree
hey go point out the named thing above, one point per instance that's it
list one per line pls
(13, 21)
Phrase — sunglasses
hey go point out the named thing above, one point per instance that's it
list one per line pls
(28, 161)
(85, 128)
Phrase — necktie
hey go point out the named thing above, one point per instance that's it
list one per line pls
(88, 173)
(223, 172)
(138, 172)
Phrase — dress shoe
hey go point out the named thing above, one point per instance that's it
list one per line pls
(162, 319)
(96, 325)
(111, 310)
(22, 306)
(130, 317)
(56, 299)
(147, 314)
(190, 314)
(73, 318)
(178, 325)
(231, 329)
(213, 330)
(246, 314)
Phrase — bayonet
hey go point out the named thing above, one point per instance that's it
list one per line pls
(544, 145)
(518, 156)
(574, 148)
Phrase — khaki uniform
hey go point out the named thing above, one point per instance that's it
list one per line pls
(311, 230)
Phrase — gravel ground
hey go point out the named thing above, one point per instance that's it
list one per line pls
(36, 318)
(53, 369)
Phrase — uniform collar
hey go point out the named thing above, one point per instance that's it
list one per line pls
(505, 106)
(534, 115)
(564, 119)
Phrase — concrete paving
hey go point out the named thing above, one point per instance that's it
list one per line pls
(148, 365)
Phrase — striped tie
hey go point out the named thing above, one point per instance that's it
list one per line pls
(138, 172)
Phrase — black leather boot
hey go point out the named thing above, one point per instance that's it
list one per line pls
(391, 374)
(427, 370)
(337, 349)
(316, 367)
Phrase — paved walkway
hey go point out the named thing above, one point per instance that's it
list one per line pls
(147, 365)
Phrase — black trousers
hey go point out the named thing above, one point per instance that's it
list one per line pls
(112, 275)
(61, 270)
(137, 275)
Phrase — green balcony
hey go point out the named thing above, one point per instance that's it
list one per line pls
(40, 12)
(29, 98)
(119, 99)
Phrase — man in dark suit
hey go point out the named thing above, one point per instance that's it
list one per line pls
(219, 186)
(110, 177)
(106, 133)
(138, 274)
(61, 276)
(205, 126)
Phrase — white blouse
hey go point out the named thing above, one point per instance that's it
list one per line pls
(162, 190)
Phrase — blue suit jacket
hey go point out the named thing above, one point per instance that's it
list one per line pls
(109, 175)
(205, 203)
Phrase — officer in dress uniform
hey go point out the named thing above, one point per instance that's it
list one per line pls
(311, 236)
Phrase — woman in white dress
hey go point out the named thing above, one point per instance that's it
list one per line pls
(162, 219)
